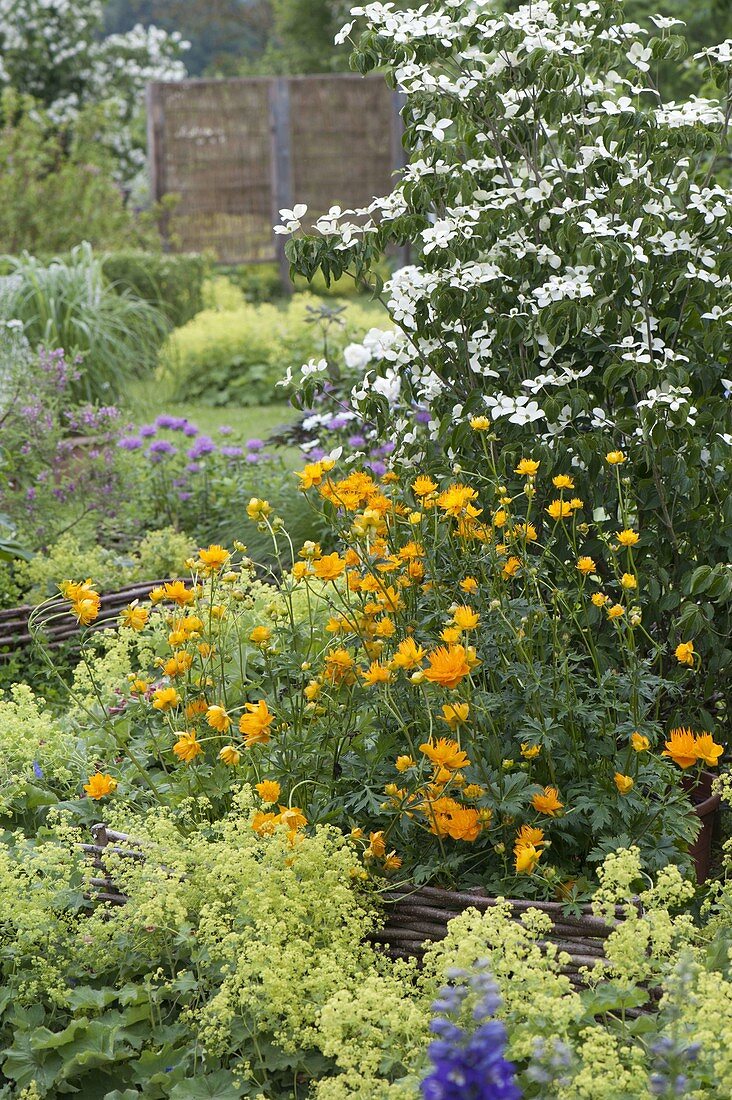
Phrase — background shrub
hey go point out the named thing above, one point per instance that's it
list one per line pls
(173, 284)
(238, 356)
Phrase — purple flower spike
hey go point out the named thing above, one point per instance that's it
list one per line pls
(147, 431)
(255, 444)
(190, 430)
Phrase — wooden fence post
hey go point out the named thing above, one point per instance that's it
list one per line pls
(398, 156)
(156, 153)
(282, 196)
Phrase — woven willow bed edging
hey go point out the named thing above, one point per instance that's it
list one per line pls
(419, 916)
(416, 916)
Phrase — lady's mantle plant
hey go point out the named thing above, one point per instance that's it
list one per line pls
(572, 277)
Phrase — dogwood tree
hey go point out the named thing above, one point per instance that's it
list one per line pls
(572, 272)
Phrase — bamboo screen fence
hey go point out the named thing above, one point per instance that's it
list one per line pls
(237, 151)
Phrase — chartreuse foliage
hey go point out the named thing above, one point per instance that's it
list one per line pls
(572, 274)
(237, 968)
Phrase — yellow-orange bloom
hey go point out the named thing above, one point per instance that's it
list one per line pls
(218, 719)
(99, 785)
(260, 635)
(529, 752)
(465, 617)
(615, 458)
(469, 585)
(527, 857)
(339, 667)
(329, 567)
(456, 499)
(511, 568)
(548, 802)
(377, 846)
(563, 481)
(445, 754)
(639, 742)
(560, 509)
(255, 723)
(134, 618)
(187, 747)
(624, 783)
(527, 467)
(376, 674)
(423, 486)
(178, 593)
(707, 749)
(213, 558)
(404, 763)
(258, 509)
(230, 755)
(616, 611)
(586, 565)
(685, 653)
(86, 609)
(268, 790)
(628, 537)
(448, 666)
(628, 581)
(681, 747)
(455, 714)
(600, 599)
(480, 423)
(165, 698)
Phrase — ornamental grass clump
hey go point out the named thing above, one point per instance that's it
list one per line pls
(465, 684)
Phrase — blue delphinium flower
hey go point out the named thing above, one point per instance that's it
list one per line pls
(469, 1065)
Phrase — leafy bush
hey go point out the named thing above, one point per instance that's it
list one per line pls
(237, 357)
(56, 191)
(174, 284)
(572, 280)
(68, 304)
(158, 555)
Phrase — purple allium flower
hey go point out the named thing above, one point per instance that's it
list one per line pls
(147, 431)
(193, 468)
(162, 447)
(315, 455)
(173, 423)
(422, 416)
(30, 493)
(337, 423)
(231, 452)
(255, 444)
(204, 445)
(190, 430)
(253, 460)
(378, 469)
(224, 429)
(184, 496)
(356, 441)
(130, 443)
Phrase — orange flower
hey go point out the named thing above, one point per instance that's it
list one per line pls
(627, 538)
(264, 824)
(466, 618)
(99, 785)
(255, 723)
(707, 750)
(218, 719)
(339, 667)
(268, 790)
(529, 751)
(639, 742)
(455, 714)
(586, 565)
(445, 754)
(377, 846)
(616, 611)
(559, 509)
(187, 747)
(376, 674)
(456, 499)
(230, 755)
(548, 802)
(511, 568)
(624, 783)
(404, 763)
(685, 653)
(681, 747)
(615, 458)
(213, 559)
(527, 857)
(423, 486)
(260, 635)
(448, 666)
(329, 567)
(527, 467)
(563, 481)
(178, 593)
(469, 585)
(134, 617)
(165, 698)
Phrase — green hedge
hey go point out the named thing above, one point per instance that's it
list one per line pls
(172, 283)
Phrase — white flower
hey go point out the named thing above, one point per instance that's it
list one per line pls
(437, 127)
(356, 356)
(291, 218)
